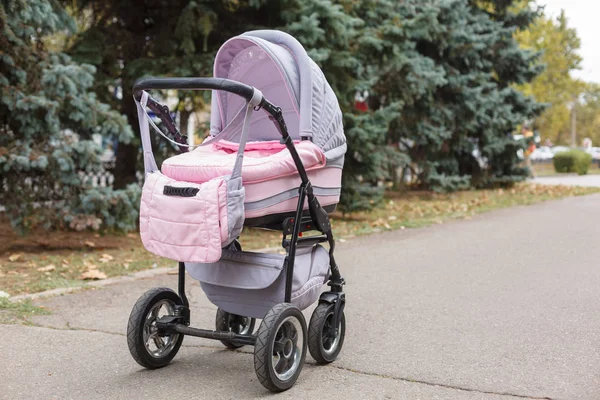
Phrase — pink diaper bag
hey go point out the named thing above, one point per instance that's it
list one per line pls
(186, 221)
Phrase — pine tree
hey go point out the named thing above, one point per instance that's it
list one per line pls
(48, 114)
(450, 66)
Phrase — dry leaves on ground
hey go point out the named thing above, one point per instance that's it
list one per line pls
(15, 257)
(106, 258)
(47, 268)
(93, 274)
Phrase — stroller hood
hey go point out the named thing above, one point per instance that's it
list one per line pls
(276, 63)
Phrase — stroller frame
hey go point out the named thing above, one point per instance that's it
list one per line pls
(292, 227)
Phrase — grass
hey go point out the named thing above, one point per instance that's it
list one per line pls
(46, 262)
(18, 312)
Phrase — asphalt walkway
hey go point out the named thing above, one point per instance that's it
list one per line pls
(502, 306)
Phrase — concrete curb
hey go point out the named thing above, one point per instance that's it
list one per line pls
(145, 274)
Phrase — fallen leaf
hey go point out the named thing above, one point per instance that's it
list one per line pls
(47, 268)
(106, 258)
(132, 235)
(89, 244)
(90, 265)
(392, 218)
(93, 274)
(126, 265)
(15, 257)
(65, 262)
(174, 272)
(128, 260)
(13, 273)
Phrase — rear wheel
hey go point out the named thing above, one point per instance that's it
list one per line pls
(324, 345)
(280, 347)
(148, 346)
(233, 323)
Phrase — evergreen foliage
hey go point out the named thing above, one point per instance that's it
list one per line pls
(441, 77)
(48, 114)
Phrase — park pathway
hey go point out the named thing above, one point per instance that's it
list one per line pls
(501, 306)
(569, 180)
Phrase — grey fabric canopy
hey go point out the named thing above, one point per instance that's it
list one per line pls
(277, 64)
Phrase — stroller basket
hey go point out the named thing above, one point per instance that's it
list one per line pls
(249, 284)
(194, 208)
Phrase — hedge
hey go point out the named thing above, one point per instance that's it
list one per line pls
(572, 161)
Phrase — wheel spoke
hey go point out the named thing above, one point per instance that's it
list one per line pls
(154, 312)
(282, 365)
(278, 348)
(294, 336)
(158, 341)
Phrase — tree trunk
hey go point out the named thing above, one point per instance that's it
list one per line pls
(127, 154)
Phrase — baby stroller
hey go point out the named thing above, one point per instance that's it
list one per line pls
(279, 169)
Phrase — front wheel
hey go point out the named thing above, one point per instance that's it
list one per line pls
(280, 347)
(324, 345)
(148, 346)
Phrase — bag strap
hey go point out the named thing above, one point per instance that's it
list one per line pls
(149, 161)
(145, 121)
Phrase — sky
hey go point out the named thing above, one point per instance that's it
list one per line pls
(582, 15)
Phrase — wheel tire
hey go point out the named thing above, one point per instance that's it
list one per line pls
(323, 348)
(284, 324)
(140, 325)
(227, 322)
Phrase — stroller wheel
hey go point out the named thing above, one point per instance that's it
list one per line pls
(149, 348)
(234, 323)
(280, 347)
(324, 347)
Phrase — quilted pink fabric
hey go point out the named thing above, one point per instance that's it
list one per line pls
(189, 229)
(262, 161)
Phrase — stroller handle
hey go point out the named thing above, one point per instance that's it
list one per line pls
(226, 85)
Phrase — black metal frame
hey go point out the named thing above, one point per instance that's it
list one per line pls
(318, 219)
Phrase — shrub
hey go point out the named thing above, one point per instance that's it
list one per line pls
(572, 161)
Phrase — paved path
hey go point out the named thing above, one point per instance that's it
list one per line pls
(569, 180)
(503, 306)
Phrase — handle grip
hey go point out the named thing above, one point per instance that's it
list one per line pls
(226, 85)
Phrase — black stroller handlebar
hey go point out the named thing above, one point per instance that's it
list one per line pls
(227, 85)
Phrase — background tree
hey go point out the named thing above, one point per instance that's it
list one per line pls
(559, 45)
(448, 67)
(588, 114)
(48, 114)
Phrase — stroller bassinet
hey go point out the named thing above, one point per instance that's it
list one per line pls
(280, 69)
(280, 169)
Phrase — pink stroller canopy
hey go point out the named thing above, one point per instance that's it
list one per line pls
(277, 64)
